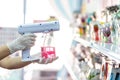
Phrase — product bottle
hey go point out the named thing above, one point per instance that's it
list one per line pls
(48, 48)
(117, 76)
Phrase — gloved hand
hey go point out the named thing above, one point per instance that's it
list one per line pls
(23, 42)
(41, 60)
(48, 60)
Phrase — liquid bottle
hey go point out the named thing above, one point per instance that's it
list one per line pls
(48, 48)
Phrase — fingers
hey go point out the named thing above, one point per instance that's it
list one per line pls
(48, 60)
(28, 40)
(30, 35)
(29, 43)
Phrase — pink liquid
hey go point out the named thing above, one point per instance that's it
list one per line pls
(48, 52)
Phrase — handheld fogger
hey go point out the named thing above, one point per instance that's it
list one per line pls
(42, 27)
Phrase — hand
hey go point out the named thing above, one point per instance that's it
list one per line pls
(41, 60)
(23, 42)
(47, 60)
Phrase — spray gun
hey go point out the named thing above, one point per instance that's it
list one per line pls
(42, 27)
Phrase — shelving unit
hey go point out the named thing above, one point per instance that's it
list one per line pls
(74, 70)
(73, 67)
(71, 72)
(108, 49)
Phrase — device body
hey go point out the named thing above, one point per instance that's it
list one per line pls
(42, 27)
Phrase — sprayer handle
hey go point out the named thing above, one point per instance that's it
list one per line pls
(26, 55)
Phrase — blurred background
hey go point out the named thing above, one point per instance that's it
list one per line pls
(77, 60)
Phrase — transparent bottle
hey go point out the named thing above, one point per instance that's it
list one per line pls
(48, 48)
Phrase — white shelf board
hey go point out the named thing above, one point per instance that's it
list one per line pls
(69, 64)
(68, 67)
(110, 50)
(83, 41)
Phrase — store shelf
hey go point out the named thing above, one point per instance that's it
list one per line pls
(83, 41)
(73, 68)
(71, 72)
(109, 50)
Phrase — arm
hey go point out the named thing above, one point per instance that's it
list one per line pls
(4, 51)
(20, 43)
(13, 63)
